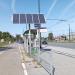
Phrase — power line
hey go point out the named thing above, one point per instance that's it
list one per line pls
(59, 21)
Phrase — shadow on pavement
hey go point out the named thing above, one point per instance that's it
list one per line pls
(5, 48)
(45, 49)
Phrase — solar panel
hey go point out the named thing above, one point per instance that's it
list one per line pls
(29, 18)
(35, 18)
(22, 18)
(41, 18)
(16, 18)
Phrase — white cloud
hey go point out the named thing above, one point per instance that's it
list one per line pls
(13, 5)
(52, 6)
(67, 8)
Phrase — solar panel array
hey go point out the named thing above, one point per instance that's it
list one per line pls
(28, 18)
(22, 18)
(15, 18)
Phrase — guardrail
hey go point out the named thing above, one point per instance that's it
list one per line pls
(47, 66)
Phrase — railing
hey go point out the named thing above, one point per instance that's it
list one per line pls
(46, 65)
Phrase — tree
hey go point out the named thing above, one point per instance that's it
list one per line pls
(50, 36)
(18, 38)
(0, 35)
(7, 36)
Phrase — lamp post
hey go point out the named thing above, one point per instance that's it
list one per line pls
(38, 33)
(69, 33)
(39, 6)
(68, 25)
(40, 24)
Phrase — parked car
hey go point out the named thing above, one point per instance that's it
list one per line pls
(44, 42)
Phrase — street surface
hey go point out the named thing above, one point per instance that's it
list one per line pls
(63, 59)
(66, 45)
(10, 61)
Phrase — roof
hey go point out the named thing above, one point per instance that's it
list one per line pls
(33, 31)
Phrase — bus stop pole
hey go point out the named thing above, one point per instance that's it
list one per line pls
(38, 37)
(29, 40)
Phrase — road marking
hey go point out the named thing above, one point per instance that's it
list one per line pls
(25, 72)
(24, 67)
(1, 53)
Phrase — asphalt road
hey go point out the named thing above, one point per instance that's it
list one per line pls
(58, 57)
(65, 45)
(10, 61)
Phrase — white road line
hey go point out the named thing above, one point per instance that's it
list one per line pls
(1, 53)
(24, 67)
(19, 48)
(25, 72)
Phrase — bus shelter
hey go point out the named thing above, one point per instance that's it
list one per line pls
(34, 41)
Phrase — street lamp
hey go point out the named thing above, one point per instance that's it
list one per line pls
(69, 32)
(57, 19)
(63, 21)
(39, 6)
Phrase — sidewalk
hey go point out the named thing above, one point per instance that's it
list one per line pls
(33, 68)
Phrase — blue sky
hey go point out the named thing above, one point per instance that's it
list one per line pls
(52, 9)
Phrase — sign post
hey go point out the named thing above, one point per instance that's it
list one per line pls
(29, 40)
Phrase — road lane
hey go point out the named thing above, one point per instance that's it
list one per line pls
(65, 45)
(63, 64)
(10, 62)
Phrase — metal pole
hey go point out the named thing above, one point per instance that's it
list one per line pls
(38, 32)
(39, 6)
(26, 26)
(26, 41)
(29, 40)
(69, 32)
(40, 24)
